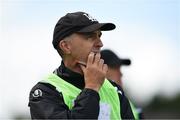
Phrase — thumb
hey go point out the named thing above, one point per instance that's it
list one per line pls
(82, 65)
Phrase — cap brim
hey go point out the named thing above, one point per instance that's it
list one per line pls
(98, 26)
(124, 61)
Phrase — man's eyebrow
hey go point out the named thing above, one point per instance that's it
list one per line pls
(90, 34)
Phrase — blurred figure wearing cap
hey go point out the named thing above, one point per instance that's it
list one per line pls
(77, 89)
(115, 74)
(114, 65)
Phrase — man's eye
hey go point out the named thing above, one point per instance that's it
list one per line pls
(90, 35)
(100, 34)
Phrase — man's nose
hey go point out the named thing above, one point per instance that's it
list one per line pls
(99, 43)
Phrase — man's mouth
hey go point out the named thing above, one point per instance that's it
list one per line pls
(84, 63)
(95, 51)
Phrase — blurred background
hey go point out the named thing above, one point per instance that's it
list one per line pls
(147, 32)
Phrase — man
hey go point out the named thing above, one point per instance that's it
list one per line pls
(78, 88)
(114, 73)
(114, 64)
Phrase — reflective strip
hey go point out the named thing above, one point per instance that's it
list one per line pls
(134, 110)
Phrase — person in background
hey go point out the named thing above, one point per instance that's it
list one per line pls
(114, 65)
(115, 74)
(78, 89)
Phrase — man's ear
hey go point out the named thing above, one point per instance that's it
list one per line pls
(65, 46)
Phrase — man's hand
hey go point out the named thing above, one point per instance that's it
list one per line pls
(94, 71)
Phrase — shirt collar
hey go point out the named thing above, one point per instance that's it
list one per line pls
(70, 76)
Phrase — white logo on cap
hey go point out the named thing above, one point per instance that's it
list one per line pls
(89, 17)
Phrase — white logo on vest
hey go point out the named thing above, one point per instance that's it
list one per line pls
(37, 93)
(105, 111)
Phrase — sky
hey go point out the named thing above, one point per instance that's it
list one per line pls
(147, 32)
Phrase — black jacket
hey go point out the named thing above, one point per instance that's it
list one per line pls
(46, 102)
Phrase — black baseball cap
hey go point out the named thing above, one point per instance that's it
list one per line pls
(77, 22)
(112, 60)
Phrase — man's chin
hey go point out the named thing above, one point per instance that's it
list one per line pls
(82, 63)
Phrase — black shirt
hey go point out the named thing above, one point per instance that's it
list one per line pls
(46, 102)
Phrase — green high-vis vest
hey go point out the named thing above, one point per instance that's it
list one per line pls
(109, 99)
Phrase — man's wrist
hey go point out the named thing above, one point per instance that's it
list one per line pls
(92, 87)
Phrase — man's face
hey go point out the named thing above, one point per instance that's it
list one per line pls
(82, 44)
(115, 74)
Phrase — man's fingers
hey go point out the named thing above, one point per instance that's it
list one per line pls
(90, 58)
(105, 68)
(101, 63)
(97, 58)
